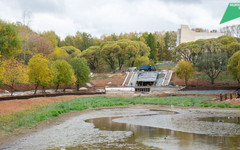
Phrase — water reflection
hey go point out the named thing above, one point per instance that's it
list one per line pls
(165, 138)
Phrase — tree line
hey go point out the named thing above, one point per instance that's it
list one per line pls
(20, 45)
(44, 59)
(211, 56)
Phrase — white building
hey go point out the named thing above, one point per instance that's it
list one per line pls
(185, 34)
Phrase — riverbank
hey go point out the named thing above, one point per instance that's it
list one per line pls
(14, 124)
(36, 112)
(71, 129)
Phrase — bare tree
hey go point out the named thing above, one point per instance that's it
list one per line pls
(233, 30)
(27, 18)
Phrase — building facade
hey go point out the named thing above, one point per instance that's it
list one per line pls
(185, 34)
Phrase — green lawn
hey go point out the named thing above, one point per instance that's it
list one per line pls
(166, 67)
(223, 77)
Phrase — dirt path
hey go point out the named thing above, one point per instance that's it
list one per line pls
(11, 106)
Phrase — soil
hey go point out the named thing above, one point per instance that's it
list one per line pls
(12, 106)
(112, 80)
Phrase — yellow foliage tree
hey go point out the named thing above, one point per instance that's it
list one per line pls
(234, 66)
(39, 71)
(184, 70)
(59, 54)
(64, 74)
(14, 72)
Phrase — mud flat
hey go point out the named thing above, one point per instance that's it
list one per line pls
(138, 127)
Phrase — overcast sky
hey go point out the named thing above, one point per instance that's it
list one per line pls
(99, 17)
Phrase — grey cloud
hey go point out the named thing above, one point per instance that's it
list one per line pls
(39, 6)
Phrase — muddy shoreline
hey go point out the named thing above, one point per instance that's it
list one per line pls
(187, 115)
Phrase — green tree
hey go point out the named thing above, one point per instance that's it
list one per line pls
(10, 43)
(81, 71)
(142, 60)
(92, 55)
(109, 52)
(39, 72)
(167, 46)
(187, 51)
(212, 64)
(232, 48)
(83, 40)
(14, 72)
(184, 71)
(64, 74)
(151, 41)
(72, 51)
(234, 66)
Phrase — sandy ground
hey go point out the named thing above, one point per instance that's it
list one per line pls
(76, 131)
(112, 80)
(11, 106)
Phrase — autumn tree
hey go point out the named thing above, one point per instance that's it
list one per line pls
(212, 64)
(39, 44)
(52, 37)
(81, 71)
(234, 66)
(14, 72)
(10, 43)
(184, 71)
(2, 69)
(39, 72)
(59, 54)
(64, 74)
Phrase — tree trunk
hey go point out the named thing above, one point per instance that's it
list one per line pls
(57, 87)
(77, 87)
(43, 91)
(212, 81)
(12, 90)
(35, 91)
(186, 82)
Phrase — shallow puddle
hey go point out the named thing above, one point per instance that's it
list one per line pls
(229, 119)
(144, 137)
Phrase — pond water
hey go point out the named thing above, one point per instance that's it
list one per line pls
(145, 137)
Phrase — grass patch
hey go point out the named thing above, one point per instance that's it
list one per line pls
(27, 118)
(163, 67)
(99, 77)
(221, 105)
(223, 77)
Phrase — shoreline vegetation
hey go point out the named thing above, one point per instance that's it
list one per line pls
(30, 117)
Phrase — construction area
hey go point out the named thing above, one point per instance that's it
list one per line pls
(144, 80)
